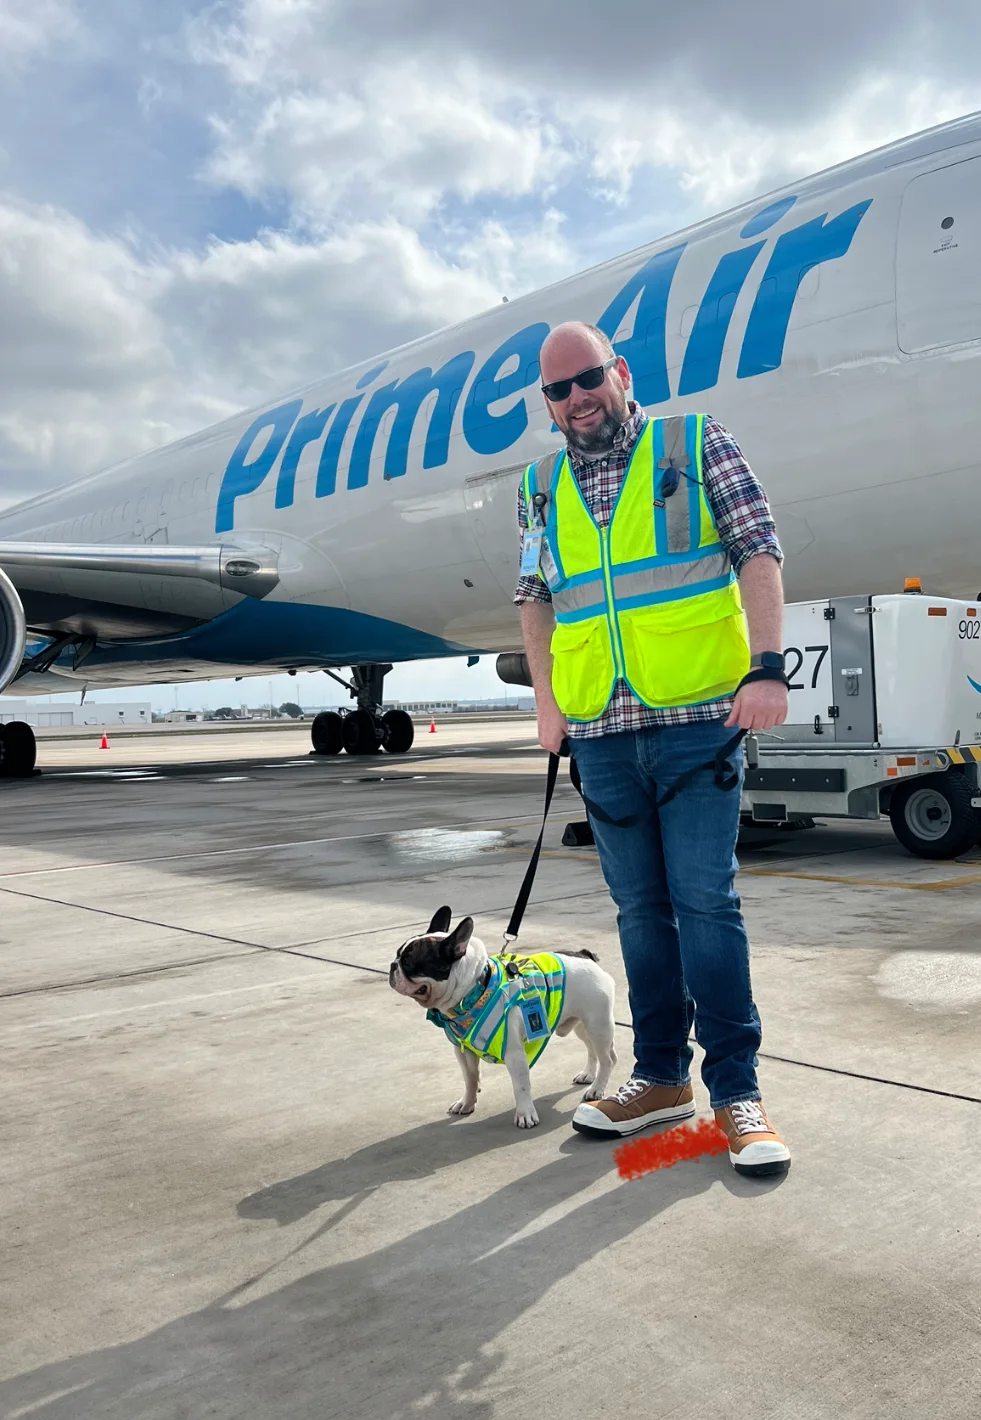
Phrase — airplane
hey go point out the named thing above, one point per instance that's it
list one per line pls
(834, 326)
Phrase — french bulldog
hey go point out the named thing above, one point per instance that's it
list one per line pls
(439, 969)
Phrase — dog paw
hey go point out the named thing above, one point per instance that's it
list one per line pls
(526, 1118)
(461, 1107)
(593, 1094)
(583, 1078)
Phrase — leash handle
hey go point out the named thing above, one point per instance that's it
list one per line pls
(524, 892)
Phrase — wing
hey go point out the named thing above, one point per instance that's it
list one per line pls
(77, 594)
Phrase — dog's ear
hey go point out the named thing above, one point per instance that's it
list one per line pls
(455, 945)
(441, 921)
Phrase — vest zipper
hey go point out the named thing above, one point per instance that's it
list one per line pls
(618, 657)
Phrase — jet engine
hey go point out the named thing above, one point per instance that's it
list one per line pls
(512, 668)
(13, 631)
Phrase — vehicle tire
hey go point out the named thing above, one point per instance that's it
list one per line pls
(361, 733)
(326, 733)
(932, 817)
(18, 750)
(399, 732)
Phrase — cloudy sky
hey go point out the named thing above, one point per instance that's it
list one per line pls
(202, 205)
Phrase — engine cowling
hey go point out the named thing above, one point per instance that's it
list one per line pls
(513, 669)
(13, 631)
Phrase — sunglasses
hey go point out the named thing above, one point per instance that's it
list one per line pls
(590, 379)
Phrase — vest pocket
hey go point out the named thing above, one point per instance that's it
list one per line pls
(683, 665)
(583, 671)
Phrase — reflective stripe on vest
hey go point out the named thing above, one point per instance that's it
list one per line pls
(651, 599)
(480, 1022)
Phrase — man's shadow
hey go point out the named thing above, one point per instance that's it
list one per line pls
(415, 1325)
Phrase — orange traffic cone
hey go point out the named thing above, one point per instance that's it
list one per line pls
(105, 741)
(432, 727)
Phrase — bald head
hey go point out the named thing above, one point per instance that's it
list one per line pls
(574, 341)
(589, 418)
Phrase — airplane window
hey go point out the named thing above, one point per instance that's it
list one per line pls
(947, 223)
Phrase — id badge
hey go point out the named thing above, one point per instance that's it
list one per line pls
(536, 1021)
(531, 552)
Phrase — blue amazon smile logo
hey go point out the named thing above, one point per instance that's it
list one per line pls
(975, 684)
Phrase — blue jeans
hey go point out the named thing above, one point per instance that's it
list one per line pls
(670, 873)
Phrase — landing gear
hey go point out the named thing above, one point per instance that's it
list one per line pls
(365, 730)
(18, 750)
(362, 733)
(399, 731)
(327, 733)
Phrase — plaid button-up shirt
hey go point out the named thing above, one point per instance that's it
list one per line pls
(746, 529)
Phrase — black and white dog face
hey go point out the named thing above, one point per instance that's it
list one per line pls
(438, 969)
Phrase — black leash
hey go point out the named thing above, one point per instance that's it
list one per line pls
(524, 892)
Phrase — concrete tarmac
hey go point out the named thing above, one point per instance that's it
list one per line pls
(229, 1187)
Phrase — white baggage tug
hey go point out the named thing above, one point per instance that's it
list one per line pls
(885, 719)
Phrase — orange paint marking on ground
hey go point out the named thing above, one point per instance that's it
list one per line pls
(663, 1151)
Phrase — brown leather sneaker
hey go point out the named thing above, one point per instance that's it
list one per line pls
(636, 1105)
(755, 1147)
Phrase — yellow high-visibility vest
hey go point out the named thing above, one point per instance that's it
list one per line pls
(651, 599)
(533, 985)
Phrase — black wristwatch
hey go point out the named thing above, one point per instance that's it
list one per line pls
(768, 660)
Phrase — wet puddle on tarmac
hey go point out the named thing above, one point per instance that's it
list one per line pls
(444, 845)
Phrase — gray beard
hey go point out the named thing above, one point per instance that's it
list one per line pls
(600, 441)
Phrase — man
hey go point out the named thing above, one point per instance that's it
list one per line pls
(635, 628)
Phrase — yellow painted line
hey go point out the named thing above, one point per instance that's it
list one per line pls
(942, 886)
(578, 854)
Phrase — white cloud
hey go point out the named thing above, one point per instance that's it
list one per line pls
(394, 139)
(109, 350)
(720, 158)
(349, 110)
(30, 26)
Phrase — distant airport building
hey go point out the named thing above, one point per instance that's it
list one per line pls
(423, 707)
(43, 715)
(182, 717)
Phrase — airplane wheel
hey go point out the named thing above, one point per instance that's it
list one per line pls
(361, 734)
(326, 732)
(18, 750)
(399, 732)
